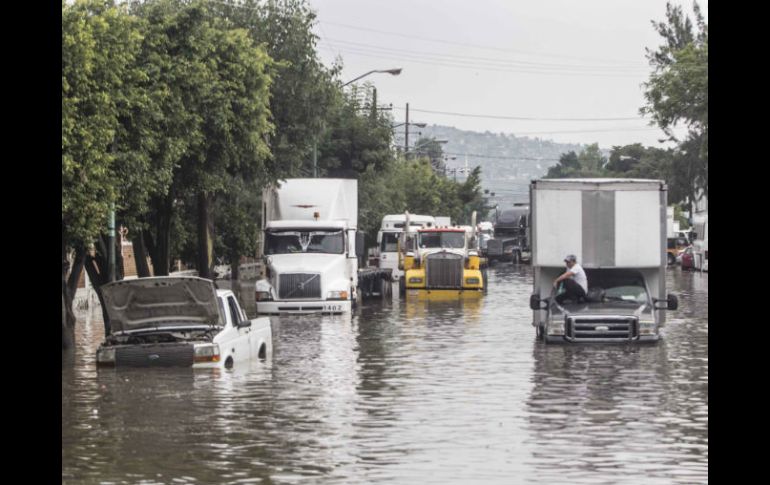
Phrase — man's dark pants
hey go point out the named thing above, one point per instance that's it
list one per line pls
(572, 291)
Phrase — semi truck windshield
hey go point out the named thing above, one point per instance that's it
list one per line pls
(287, 242)
(455, 240)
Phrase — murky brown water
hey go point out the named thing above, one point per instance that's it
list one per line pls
(439, 393)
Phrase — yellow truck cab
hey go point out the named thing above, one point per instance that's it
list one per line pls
(444, 265)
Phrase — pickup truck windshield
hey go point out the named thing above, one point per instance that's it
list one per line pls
(454, 240)
(617, 285)
(291, 241)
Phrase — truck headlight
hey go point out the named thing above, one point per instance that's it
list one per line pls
(263, 296)
(415, 279)
(337, 295)
(472, 281)
(647, 328)
(105, 356)
(556, 328)
(207, 353)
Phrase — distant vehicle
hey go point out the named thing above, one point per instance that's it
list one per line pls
(674, 246)
(178, 321)
(389, 240)
(511, 235)
(484, 232)
(685, 258)
(616, 228)
(701, 242)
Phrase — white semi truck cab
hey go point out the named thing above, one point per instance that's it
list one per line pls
(310, 247)
(389, 239)
(617, 230)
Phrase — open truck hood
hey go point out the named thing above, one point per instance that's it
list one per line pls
(148, 303)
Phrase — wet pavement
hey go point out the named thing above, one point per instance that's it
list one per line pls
(405, 393)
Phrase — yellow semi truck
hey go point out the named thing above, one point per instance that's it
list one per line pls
(444, 265)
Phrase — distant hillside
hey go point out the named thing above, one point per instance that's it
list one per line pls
(507, 162)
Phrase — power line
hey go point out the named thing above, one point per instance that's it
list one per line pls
(404, 58)
(475, 46)
(475, 155)
(477, 59)
(523, 118)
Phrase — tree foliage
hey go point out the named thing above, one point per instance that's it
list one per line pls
(677, 91)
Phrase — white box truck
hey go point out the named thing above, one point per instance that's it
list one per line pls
(310, 247)
(617, 230)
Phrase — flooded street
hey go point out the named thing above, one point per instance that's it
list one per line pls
(405, 393)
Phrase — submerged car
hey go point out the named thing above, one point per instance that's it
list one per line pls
(178, 321)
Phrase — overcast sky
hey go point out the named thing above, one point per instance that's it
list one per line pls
(504, 58)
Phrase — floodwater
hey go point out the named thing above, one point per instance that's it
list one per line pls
(405, 393)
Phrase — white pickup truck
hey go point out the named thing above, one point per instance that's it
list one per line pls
(178, 321)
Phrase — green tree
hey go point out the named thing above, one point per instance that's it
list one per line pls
(589, 163)
(217, 76)
(677, 91)
(100, 89)
(304, 91)
(357, 137)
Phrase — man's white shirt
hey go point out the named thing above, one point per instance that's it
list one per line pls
(580, 276)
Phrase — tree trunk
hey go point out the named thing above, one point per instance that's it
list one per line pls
(97, 273)
(67, 315)
(160, 251)
(77, 270)
(205, 237)
(140, 255)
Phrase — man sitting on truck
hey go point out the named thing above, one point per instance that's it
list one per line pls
(575, 281)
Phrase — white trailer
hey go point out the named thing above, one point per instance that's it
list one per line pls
(617, 229)
(310, 247)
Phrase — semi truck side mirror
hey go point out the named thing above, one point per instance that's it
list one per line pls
(535, 303)
(670, 303)
(360, 244)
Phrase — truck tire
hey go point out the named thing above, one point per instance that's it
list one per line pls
(516, 257)
(401, 286)
(484, 279)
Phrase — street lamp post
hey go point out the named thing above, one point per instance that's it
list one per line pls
(394, 72)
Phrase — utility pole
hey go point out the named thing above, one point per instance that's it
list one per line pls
(406, 138)
(111, 243)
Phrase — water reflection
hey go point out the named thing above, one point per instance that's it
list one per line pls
(449, 392)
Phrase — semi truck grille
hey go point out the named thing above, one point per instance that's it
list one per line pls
(602, 329)
(495, 247)
(299, 286)
(155, 355)
(445, 270)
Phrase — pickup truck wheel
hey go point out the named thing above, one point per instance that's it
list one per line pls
(229, 363)
(262, 352)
